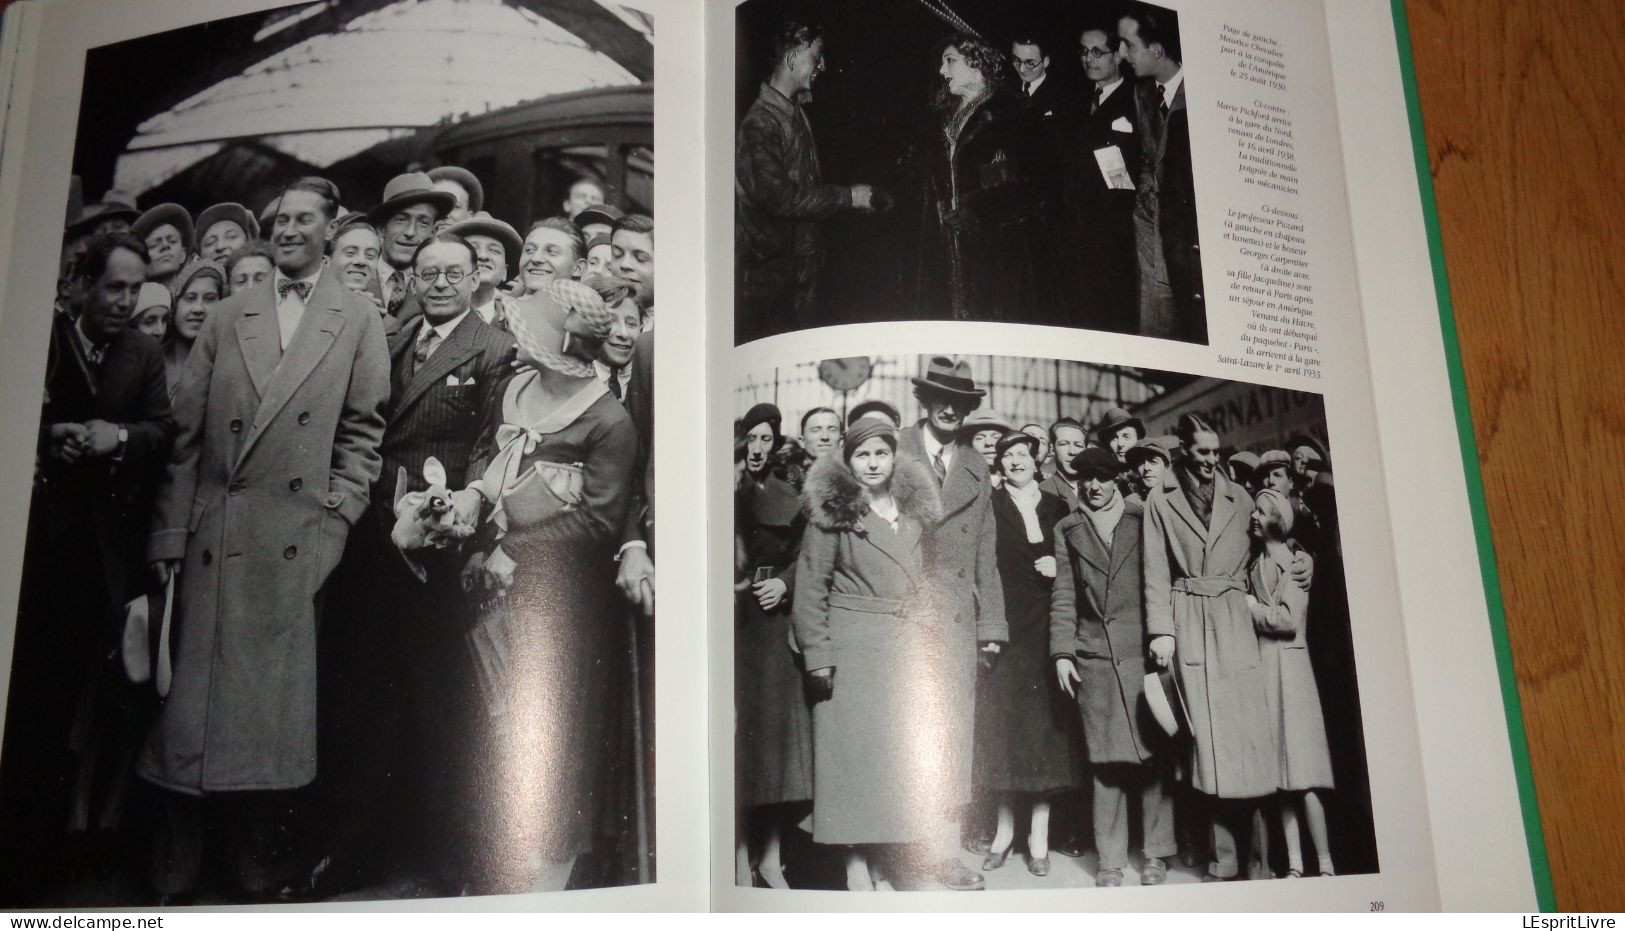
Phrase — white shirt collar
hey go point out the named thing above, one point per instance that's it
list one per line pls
(934, 449)
(487, 310)
(444, 329)
(1105, 90)
(1171, 87)
(278, 277)
(1032, 86)
(622, 374)
(85, 342)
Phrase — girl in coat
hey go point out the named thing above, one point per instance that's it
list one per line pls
(194, 292)
(1279, 608)
(870, 643)
(1026, 731)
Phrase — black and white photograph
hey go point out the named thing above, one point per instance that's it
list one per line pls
(998, 161)
(1022, 623)
(338, 582)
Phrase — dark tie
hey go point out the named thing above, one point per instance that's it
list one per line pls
(938, 467)
(1100, 98)
(426, 346)
(302, 288)
(397, 292)
(615, 384)
(1026, 88)
(1162, 100)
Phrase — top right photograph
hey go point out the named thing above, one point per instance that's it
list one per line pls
(977, 160)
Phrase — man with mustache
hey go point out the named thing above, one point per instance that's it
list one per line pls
(405, 218)
(280, 411)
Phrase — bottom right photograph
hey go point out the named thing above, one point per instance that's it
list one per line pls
(1020, 623)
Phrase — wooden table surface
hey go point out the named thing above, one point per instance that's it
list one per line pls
(1525, 117)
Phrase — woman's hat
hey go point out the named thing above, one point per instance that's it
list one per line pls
(1272, 501)
(173, 214)
(873, 406)
(152, 294)
(1151, 447)
(465, 178)
(483, 224)
(198, 267)
(1014, 438)
(234, 212)
(864, 430)
(945, 376)
(403, 191)
(977, 421)
(1115, 419)
(563, 309)
(762, 413)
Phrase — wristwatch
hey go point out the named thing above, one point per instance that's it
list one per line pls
(123, 441)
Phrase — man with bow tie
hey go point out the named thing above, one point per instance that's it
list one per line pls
(280, 412)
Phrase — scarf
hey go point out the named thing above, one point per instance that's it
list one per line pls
(1106, 519)
(1026, 501)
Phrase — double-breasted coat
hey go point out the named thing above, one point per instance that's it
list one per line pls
(1097, 618)
(1195, 592)
(274, 456)
(886, 757)
(1280, 612)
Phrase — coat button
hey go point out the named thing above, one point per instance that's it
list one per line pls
(290, 552)
(234, 489)
(304, 417)
(961, 573)
(208, 557)
(296, 484)
(236, 426)
(963, 528)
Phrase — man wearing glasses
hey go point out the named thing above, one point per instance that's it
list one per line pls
(1102, 165)
(391, 632)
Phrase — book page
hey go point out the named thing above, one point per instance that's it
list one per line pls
(1030, 463)
(331, 534)
(1460, 710)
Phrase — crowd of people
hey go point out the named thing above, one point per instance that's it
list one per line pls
(339, 562)
(963, 634)
(1039, 200)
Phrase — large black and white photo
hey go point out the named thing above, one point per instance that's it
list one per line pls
(976, 161)
(338, 581)
(1023, 623)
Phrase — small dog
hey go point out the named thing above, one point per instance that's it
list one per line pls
(426, 519)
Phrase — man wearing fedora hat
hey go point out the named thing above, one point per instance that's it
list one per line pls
(1118, 431)
(1098, 644)
(960, 556)
(497, 245)
(168, 233)
(466, 190)
(405, 218)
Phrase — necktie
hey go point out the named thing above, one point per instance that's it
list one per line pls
(615, 384)
(426, 346)
(939, 467)
(1026, 88)
(1162, 99)
(302, 288)
(397, 292)
(94, 355)
(1099, 98)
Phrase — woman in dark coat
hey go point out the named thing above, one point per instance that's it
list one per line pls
(552, 624)
(984, 245)
(868, 635)
(1026, 731)
(774, 725)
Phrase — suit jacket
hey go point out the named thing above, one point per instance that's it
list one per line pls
(435, 407)
(273, 462)
(962, 549)
(95, 510)
(1166, 180)
(640, 403)
(1041, 127)
(1099, 219)
(1055, 485)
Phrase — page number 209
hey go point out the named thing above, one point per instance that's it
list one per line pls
(1377, 906)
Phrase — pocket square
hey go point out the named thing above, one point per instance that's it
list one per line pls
(452, 382)
(1121, 125)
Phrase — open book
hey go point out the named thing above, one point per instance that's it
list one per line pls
(1009, 354)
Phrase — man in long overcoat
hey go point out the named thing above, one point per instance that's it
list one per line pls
(280, 413)
(1098, 642)
(960, 559)
(1196, 553)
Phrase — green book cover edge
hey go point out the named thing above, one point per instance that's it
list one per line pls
(1518, 737)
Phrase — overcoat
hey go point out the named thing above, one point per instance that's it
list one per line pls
(1280, 611)
(1099, 219)
(887, 760)
(774, 722)
(1027, 736)
(1195, 592)
(1097, 618)
(272, 463)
